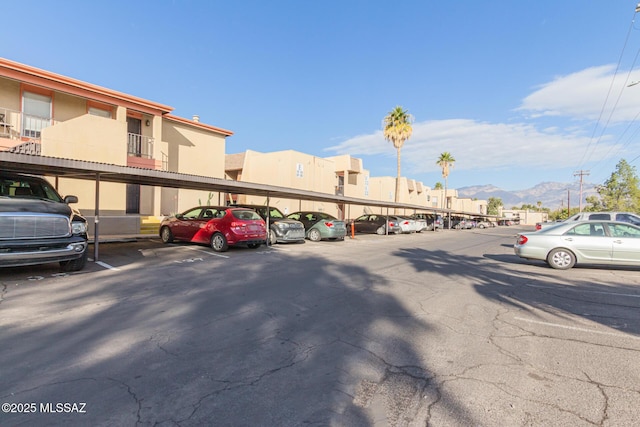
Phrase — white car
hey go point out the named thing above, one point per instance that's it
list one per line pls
(407, 225)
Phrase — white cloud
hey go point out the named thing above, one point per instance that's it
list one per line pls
(532, 142)
(478, 146)
(596, 93)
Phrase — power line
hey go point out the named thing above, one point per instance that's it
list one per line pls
(586, 155)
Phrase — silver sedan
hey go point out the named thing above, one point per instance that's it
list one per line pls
(588, 242)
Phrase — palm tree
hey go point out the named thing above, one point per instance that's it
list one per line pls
(445, 161)
(397, 129)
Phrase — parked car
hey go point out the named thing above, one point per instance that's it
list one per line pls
(320, 225)
(375, 224)
(457, 223)
(606, 216)
(587, 242)
(432, 220)
(483, 223)
(407, 225)
(421, 224)
(217, 226)
(588, 216)
(281, 229)
(545, 224)
(37, 225)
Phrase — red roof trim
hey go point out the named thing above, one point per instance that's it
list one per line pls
(47, 79)
(197, 124)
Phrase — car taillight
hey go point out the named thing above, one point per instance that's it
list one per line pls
(538, 226)
(390, 224)
(328, 224)
(522, 239)
(235, 224)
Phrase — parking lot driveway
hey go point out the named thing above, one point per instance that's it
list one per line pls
(442, 329)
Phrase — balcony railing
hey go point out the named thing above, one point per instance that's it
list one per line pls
(139, 146)
(18, 125)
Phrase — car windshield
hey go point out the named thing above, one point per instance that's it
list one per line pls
(22, 187)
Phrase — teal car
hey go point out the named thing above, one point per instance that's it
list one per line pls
(320, 225)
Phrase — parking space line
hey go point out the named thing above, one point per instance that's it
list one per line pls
(574, 328)
(107, 266)
(206, 252)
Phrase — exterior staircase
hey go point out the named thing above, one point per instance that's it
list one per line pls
(150, 225)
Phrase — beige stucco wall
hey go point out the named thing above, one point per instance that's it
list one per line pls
(90, 138)
(67, 107)
(9, 94)
(291, 169)
(192, 151)
(87, 137)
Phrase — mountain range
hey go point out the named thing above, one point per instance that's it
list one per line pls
(553, 195)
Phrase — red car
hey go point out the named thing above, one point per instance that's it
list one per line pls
(218, 226)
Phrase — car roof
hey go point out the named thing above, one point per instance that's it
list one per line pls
(569, 224)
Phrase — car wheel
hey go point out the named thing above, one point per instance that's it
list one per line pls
(380, 230)
(561, 259)
(166, 235)
(74, 264)
(219, 243)
(314, 235)
(253, 245)
(273, 237)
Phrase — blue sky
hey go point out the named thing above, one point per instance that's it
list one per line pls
(520, 92)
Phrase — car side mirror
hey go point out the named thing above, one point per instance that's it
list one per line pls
(70, 199)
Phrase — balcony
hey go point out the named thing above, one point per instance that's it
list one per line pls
(20, 133)
(140, 152)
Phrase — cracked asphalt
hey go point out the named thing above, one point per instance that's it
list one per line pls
(430, 329)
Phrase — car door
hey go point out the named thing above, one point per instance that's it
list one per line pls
(590, 242)
(187, 225)
(361, 224)
(308, 219)
(625, 243)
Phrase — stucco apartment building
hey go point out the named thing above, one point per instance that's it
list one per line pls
(47, 114)
(339, 175)
(43, 113)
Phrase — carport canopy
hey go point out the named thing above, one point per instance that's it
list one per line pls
(95, 171)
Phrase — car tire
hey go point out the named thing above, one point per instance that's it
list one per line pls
(219, 242)
(273, 237)
(314, 235)
(561, 259)
(166, 235)
(253, 245)
(75, 264)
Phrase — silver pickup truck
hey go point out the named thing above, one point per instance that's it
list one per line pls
(629, 217)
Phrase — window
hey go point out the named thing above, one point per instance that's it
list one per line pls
(628, 218)
(580, 230)
(99, 112)
(623, 230)
(36, 113)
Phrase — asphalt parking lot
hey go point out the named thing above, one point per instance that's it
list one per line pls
(446, 328)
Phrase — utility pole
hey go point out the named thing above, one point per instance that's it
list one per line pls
(581, 173)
